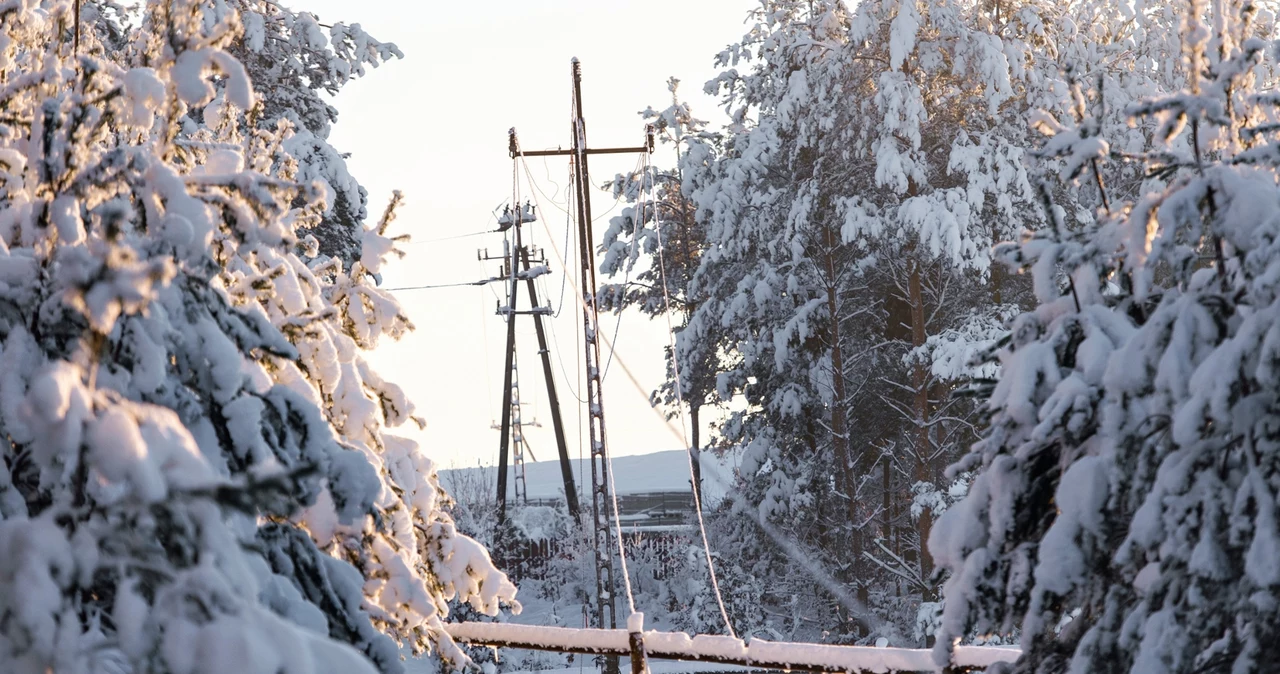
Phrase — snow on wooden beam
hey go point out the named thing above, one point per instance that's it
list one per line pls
(727, 650)
(532, 637)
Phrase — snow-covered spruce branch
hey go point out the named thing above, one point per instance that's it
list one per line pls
(180, 390)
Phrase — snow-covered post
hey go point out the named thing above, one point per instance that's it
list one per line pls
(635, 630)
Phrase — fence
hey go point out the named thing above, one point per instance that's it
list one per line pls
(524, 559)
(638, 645)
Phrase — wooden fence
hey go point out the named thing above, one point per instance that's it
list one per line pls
(636, 644)
(525, 559)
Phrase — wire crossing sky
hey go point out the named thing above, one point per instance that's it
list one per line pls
(435, 126)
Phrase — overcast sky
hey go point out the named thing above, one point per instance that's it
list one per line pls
(435, 126)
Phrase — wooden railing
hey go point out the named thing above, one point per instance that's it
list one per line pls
(638, 645)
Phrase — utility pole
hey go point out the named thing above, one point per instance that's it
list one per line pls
(606, 617)
(516, 267)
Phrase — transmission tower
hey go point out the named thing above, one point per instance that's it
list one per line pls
(603, 534)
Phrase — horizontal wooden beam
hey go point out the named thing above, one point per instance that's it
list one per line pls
(592, 150)
(727, 650)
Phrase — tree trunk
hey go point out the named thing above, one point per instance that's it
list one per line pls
(997, 276)
(839, 416)
(695, 452)
(887, 504)
(845, 479)
(919, 336)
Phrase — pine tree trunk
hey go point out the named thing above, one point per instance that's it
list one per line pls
(887, 504)
(997, 277)
(921, 379)
(845, 479)
(696, 393)
(695, 452)
(839, 415)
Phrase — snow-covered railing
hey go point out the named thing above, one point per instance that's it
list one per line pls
(727, 650)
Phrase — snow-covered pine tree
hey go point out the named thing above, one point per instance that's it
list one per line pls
(1123, 515)
(178, 385)
(765, 300)
(293, 59)
(849, 210)
(1127, 52)
(659, 211)
(662, 214)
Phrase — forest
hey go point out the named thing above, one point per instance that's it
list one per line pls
(983, 294)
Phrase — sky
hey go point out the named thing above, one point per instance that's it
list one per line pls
(434, 125)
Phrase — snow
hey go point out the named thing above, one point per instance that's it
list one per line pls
(603, 641)
(758, 652)
(655, 667)
(188, 75)
(1124, 478)
(635, 622)
(188, 295)
(175, 373)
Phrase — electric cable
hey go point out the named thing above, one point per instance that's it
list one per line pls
(813, 566)
(622, 556)
(488, 378)
(451, 238)
(626, 274)
(675, 366)
(563, 370)
(535, 190)
(440, 285)
(568, 228)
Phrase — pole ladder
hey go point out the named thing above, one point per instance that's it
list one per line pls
(602, 530)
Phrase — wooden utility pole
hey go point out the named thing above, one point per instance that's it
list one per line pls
(517, 266)
(566, 471)
(508, 369)
(602, 539)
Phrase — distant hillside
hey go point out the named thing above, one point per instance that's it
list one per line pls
(666, 471)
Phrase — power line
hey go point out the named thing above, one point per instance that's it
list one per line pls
(451, 238)
(626, 274)
(604, 492)
(813, 566)
(568, 227)
(564, 371)
(440, 285)
(706, 547)
(488, 380)
(597, 445)
(492, 216)
(693, 475)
